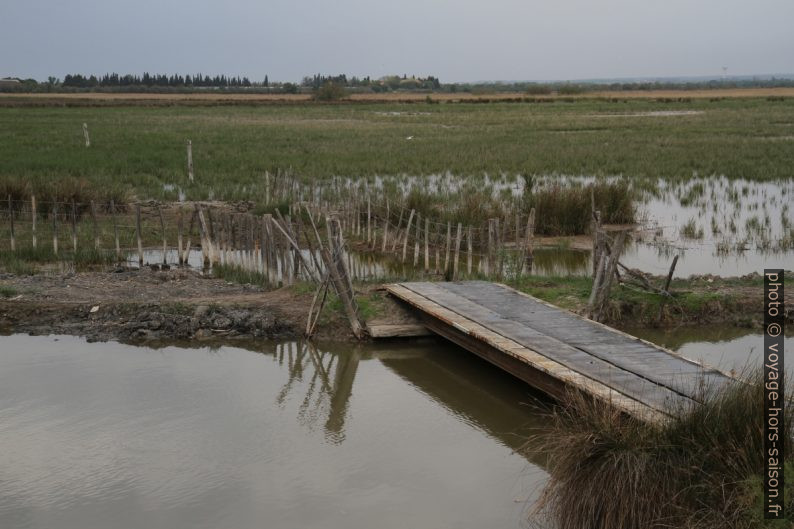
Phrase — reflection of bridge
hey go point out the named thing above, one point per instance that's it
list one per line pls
(556, 351)
(480, 395)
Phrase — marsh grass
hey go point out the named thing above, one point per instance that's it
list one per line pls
(235, 274)
(701, 469)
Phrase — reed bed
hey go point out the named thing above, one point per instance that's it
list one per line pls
(700, 470)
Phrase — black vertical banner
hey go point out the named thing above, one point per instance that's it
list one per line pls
(774, 427)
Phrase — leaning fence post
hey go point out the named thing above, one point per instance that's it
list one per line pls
(85, 135)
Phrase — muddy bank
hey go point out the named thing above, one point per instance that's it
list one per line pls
(146, 305)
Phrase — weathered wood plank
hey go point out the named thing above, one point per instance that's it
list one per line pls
(548, 347)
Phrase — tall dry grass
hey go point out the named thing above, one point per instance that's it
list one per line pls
(701, 470)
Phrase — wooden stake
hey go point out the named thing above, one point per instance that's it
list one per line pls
(457, 252)
(385, 227)
(527, 252)
(190, 160)
(85, 135)
(162, 230)
(369, 219)
(397, 231)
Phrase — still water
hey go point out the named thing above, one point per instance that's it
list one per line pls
(721, 346)
(98, 435)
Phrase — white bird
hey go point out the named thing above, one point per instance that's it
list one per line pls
(409, 138)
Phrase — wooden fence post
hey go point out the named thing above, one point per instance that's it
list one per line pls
(448, 246)
(457, 252)
(162, 230)
(418, 239)
(427, 244)
(85, 135)
(179, 227)
(190, 160)
(469, 251)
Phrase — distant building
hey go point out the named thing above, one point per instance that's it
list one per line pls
(9, 82)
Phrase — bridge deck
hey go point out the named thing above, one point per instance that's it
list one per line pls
(555, 350)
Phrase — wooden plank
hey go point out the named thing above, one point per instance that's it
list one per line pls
(532, 367)
(617, 378)
(397, 330)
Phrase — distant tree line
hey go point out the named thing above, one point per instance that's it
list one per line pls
(113, 82)
(176, 80)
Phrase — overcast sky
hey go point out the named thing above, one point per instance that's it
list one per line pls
(456, 40)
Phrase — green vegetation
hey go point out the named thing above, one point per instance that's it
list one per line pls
(28, 261)
(142, 149)
(7, 291)
(702, 469)
(235, 274)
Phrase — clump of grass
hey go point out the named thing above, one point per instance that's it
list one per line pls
(64, 190)
(234, 274)
(700, 469)
(566, 210)
(7, 291)
(691, 230)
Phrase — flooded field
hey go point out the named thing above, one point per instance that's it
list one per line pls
(110, 435)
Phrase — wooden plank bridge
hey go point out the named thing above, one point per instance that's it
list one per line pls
(555, 350)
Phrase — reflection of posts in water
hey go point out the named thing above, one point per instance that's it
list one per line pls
(336, 395)
(345, 374)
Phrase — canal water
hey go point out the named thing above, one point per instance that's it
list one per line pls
(98, 435)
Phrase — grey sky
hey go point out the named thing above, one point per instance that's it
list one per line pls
(457, 40)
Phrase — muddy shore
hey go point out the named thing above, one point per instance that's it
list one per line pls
(146, 305)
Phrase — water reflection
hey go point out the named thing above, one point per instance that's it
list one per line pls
(110, 435)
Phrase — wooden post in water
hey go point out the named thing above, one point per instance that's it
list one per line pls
(74, 227)
(597, 240)
(206, 243)
(369, 219)
(407, 233)
(138, 233)
(186, 255)
(457, 252)
(11, 220)
(190, 160)
(115, 230)
(33, 219)
(85, 135)
(162, 230)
